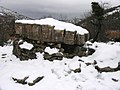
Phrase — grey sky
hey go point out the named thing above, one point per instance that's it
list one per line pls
(39, 8)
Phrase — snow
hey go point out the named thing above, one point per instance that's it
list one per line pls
(26, 45)
(1, 14)
(114, 11)
(59, 25)
(51, 50)
(107, 53)
(58, 74)
(110, 13)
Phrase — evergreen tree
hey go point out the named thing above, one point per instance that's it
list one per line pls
(98, 13)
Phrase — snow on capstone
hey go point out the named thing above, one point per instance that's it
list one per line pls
(59, 25)
(26, 45)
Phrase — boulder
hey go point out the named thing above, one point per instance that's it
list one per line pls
(46, 56)
(23, 54)
(55, 56)
(36, 81)
(80, 51)
(78, 70)
(27, 54)
(108, 69)
(24, 80)
(21, 81)
(90, 51)
(69, 55)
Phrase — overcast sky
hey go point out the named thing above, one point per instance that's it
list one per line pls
(55, 8)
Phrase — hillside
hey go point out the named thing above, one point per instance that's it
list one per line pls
(110, 23)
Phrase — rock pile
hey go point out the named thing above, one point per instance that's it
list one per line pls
(23, 54)
(55, 56)
(67, 51)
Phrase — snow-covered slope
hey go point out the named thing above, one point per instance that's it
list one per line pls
(1, 14)
(58, 75)
(114, 11)
(59, 25)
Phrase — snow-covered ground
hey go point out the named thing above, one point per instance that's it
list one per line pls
(58, 75)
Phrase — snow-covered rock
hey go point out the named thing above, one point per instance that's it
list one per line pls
(26, 45)
(51, 50)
